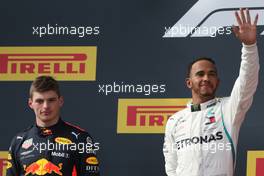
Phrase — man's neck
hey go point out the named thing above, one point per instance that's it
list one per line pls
(200, 100)
(41, 123)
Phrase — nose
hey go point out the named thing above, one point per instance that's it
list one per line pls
(45, 104)
(205, 77)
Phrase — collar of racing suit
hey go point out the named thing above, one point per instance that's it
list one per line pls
(46, 131)
(202, 106)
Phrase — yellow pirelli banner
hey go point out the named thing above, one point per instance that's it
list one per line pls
(147, 115)
(64, 63)
(255, 163)
(3, 162)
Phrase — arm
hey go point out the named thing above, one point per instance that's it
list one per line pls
(87, 162)
(169, 150)
(12, 166)
(246, 84)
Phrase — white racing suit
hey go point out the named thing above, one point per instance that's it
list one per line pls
(201, 140)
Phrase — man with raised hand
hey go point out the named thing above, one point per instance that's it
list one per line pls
(201, 139)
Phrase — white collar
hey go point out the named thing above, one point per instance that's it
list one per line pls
(202, 106)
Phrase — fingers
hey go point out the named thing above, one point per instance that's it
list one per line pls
(241, 19)
(238, 19)
(248, 16)
(242, 15)
(256, 20)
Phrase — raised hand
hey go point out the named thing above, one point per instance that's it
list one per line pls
(246, 32)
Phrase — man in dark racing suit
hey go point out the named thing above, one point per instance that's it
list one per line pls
(51, 146)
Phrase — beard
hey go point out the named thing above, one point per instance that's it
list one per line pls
(205, 93)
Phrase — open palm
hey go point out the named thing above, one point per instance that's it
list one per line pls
(246, 32)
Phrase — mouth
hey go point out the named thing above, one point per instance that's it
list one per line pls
(46, 113)
(205, 85)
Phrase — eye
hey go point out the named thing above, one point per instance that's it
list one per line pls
(52, 99)
(212, 73)
(39, 101)
(200, 74)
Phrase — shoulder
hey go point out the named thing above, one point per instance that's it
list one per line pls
(20, 137)
(24, 133)
(82, 133)
(74, 127)
(223, 100)
(180, 115)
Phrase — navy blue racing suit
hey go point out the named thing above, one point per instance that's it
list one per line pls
(62, 149)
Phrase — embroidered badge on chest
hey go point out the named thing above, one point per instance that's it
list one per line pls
(210, 117)
(27, 143)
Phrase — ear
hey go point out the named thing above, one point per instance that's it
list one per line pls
(188, 83)
(61, 101)
(30, 103)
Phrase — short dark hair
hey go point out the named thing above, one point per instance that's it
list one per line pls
(43, 84)
(196, 60)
